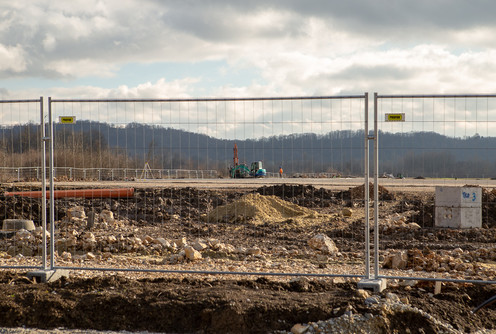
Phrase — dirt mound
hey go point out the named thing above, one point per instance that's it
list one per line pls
(294, 190)
(259, 209)
(303, 195)
(358, 193)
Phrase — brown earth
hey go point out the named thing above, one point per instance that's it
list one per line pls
(213, 304)
(195, 305)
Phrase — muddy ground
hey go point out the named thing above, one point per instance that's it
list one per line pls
(195, 305)
(212, 304)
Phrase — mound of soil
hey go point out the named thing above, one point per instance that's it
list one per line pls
(259, 209)
(358, 193)
(303, 195)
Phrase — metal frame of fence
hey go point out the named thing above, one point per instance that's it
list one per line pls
(363, 97)
(26, 174)
(53, 171)
(377, 99)
(42, 140)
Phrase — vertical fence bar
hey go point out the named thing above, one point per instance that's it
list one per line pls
(43, 188)
(376, 192)
(52, 204)
(367, 194)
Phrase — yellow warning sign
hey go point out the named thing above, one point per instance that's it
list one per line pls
(67, 119)
(395, 117)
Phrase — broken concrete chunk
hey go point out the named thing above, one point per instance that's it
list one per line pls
(192, 254)
(107, 216)
(199, 245)
(76, 212)
(323, 243)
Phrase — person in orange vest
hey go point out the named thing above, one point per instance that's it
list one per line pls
(280, 171)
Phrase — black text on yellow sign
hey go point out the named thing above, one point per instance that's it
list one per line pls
(67, 119)
(395, 117)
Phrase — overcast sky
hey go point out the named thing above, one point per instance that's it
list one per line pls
(161, 48)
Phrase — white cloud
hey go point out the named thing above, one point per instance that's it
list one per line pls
(49, 43)
(294, 47)
(160, 89)
(12, 58)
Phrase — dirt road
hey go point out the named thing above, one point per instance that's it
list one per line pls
(407, 184)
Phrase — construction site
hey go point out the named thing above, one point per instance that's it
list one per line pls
(283, 228)
(157, 228)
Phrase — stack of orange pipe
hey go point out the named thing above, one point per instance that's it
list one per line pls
(78, 193)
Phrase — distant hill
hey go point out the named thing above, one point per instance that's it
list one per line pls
(426, 154)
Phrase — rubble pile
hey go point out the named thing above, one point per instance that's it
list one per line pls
(456, 261)
(77, 240)
(398, 222)
(380, 318)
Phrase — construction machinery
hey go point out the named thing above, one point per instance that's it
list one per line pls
(238, 170)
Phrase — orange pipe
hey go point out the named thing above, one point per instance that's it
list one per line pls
(79, 193)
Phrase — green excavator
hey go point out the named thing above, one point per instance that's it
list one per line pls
(237, 170)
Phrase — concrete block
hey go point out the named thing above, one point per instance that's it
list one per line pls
(376, 285)
(465, 197)
(458, 207)
(46, 276)
(458, 217)
(18, 224)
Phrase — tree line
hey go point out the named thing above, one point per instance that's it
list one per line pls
(93, 144)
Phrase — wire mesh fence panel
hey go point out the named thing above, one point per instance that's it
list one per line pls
(437, 164)
(21, 237)
(255, 185)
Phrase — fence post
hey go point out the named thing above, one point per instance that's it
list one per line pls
(43, 188)
(376, 191)
(367, 194)
(52, 204)
(376, 283)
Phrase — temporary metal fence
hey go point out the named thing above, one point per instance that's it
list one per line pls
(21, 147)
(34, 174)
(305, 136)
(444, 138)
(31, 174)
(437, 144)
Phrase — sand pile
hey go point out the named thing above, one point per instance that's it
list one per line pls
(260, 209)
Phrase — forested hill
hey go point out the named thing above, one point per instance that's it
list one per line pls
(411, 154)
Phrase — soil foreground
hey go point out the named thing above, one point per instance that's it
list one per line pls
(195, 305)
(155, 229)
